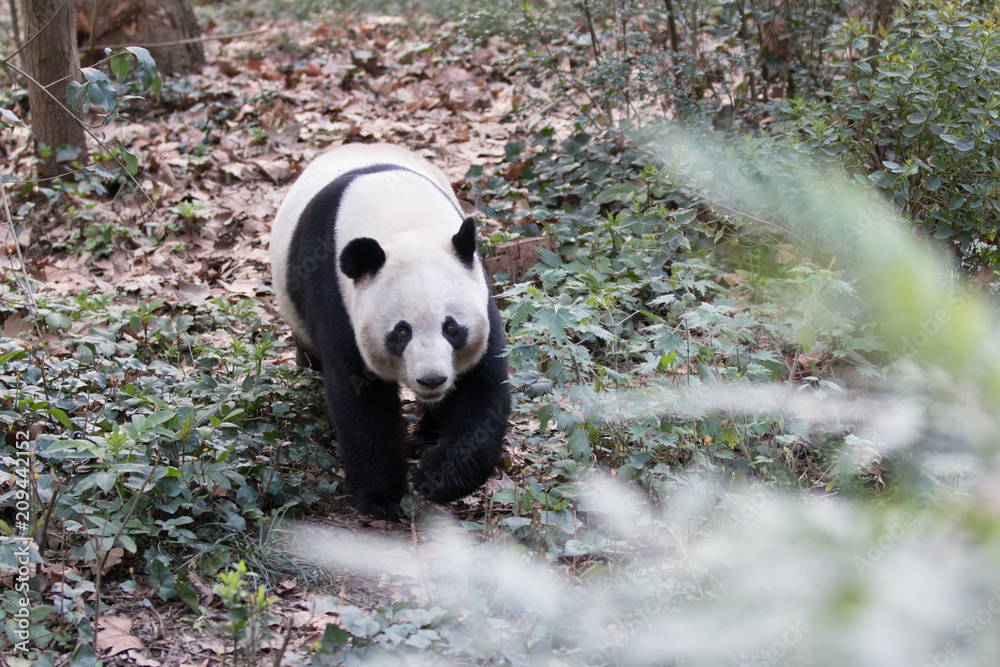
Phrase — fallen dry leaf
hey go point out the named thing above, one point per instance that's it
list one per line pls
(141, 660)
(278, 171)
(244, 287)
(15, 325)
(188, 292)
(114, 557)
(114, 635)
(57, 572)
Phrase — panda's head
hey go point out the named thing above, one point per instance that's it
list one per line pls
(418, 308)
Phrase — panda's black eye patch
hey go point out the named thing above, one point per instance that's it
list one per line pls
(397, 339)
(454, 333)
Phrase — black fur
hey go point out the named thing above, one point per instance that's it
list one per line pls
(460, 438)
(464, 242)
(361, 256)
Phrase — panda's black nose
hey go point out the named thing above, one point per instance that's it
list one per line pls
(432, 382)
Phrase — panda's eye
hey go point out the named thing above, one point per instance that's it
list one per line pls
(454, 332)
(397, 339)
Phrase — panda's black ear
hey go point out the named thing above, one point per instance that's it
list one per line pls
(361, 256)
(465, 241)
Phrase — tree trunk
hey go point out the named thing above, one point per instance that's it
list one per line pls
(168, 28)
(675, 38)
(51, 60)
(881, 12)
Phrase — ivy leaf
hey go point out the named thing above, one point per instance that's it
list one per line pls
(623, 192)
(146, 69)
(666, 361)
(555, 319)
(8, 118)
(188, 596)
(162, 580)
(515, 522)
(130, 160)
(334, 637)
(74, 93)
(100, 90)
(120, 64)
(579, 444)
(548, 257)
(58, 321)
(561, 519)
(355, 622)
(60, 416)
(100, 171)
(83, 656)
(546, 413)
(806, 337)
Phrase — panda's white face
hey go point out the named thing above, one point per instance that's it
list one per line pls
(421, 323)
(409, 275)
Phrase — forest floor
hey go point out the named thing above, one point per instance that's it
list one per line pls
(217, 152)
(220, 148)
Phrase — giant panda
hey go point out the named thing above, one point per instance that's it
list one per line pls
(376, 271)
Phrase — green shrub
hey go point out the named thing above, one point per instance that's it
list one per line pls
(918, 119)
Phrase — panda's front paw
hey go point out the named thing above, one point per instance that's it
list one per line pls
(379, 505)
(427, 483)
(418, 443)
(437, 479)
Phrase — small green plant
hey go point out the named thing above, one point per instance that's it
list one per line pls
(188, 210)
(625, 64)
(22, 618)
(247, 615)
(104, 238)
(97, 90)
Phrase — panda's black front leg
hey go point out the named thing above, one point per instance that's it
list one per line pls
(468, 447)
(366, 415)
(427, 432)
(305, 356)
(463, 434)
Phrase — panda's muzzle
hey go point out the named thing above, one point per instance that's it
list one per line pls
(431, 388)
(432, 382)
